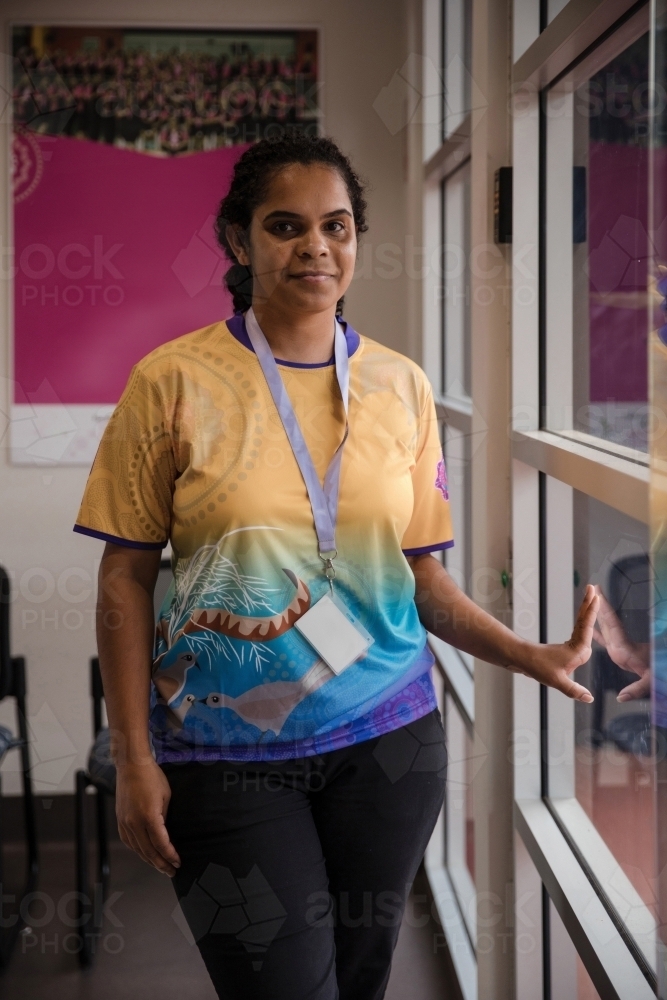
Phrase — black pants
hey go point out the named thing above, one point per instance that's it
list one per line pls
(294, 874)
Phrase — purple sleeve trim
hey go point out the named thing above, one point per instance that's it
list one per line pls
(117, 540)
(429, 548)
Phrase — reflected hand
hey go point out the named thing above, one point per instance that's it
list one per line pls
(628, 655)
(553, 663)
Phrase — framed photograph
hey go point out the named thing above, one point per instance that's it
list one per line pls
(124, 143)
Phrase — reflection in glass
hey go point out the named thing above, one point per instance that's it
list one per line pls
(614, 765)
(611, 401)
(599, 250)
(658, 202)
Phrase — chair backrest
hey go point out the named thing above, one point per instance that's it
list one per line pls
(6, 678)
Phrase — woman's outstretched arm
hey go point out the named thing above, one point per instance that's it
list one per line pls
(450, 614)
(125, 630)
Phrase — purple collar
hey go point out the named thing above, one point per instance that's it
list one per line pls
(237, 328)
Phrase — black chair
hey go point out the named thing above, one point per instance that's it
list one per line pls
(101, 776)
(629, 592)
(13, 685)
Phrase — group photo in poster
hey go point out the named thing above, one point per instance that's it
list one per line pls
(123, 146)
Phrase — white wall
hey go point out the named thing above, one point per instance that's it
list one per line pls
(363, 45)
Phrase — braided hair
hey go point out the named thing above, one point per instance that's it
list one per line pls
(253, 173)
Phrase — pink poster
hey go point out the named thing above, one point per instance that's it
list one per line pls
(124, 144)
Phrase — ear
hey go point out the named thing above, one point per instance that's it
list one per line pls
(237, 241)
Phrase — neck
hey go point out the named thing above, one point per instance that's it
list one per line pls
(304, 337)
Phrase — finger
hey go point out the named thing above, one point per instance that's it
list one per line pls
(582, 634)
(143, 847)
(154, 857)
(638, 689)
(576, 691)
(159, 838)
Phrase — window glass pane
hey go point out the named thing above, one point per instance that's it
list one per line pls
(599, 267)
(569, 978)
(457, 62)
(456, 282)
(601, 763)
(457, 459)
(554, 7)
(459, 826)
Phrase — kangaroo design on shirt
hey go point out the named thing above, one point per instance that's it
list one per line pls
(267, 706)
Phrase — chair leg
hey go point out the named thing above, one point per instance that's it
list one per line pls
(83, 900)
(6, 934)
(19, 683)
(102, 853)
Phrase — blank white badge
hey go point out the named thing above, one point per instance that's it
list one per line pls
(334, 633)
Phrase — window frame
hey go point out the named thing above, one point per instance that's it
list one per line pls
(569, 856)
(442, 156)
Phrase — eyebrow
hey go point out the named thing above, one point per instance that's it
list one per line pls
(295, 215)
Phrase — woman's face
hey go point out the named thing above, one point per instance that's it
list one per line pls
(302, 242)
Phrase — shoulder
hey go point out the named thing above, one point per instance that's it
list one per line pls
(383, 368)
(183, 353)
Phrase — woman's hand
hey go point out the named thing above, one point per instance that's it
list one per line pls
(628, 655)
(552, 664)
(142, 797)
(450, 614)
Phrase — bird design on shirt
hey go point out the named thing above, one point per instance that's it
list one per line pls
(267, 706)
(170, 682)
(252, 628)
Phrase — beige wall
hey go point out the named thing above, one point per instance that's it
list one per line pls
(363, 45)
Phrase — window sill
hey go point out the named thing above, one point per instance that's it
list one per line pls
(454, 929)
(613, 881)
(608, 960)
(609, 477)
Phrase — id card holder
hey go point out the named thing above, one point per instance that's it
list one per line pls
(334, 633)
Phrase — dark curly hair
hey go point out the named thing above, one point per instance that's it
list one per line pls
(253, 174)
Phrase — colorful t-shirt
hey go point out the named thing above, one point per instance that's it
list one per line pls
(196, 454)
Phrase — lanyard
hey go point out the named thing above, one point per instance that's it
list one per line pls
(323, 500)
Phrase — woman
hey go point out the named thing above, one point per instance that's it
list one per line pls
(303, 499)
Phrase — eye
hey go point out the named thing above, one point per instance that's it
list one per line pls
(336, 226)
(284, 228)
(215, 699)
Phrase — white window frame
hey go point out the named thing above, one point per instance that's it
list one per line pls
(453, 893)
(557, 836)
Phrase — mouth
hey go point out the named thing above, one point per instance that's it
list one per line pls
(314, 276)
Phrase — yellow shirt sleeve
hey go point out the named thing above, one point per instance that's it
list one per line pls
(128, 496)
(430, 528)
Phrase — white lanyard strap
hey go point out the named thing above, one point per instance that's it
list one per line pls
(323, 499)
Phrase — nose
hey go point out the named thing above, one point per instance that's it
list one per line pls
(313, 244)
